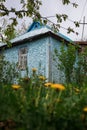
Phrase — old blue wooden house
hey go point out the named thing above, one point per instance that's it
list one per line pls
(35, 49)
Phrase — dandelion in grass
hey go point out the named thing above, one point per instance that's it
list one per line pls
(85, 109)
(47, 84)
(34, 69)
(16, 86)
(42, 78)
(26, 79)
(76, 90)
(58, 86)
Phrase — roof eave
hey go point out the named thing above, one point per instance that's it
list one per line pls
(35, 37)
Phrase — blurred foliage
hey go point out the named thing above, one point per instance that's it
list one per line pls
(65, 60)
(35, 104)
(8, 71)
(72, 63)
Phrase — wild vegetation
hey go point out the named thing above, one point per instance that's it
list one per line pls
(34, 103)
(72, 63)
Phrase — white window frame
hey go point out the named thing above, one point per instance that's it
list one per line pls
(22, 58)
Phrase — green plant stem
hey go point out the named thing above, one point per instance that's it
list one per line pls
(59, 95)
(38, 96)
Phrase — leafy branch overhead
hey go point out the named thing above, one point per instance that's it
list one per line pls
(30, 8)
(68, 2)
(61, 17)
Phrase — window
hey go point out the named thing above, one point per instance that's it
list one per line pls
(22, 63)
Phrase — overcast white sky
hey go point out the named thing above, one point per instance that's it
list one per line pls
(52, 7)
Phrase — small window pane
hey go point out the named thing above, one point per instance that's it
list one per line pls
(23, 58)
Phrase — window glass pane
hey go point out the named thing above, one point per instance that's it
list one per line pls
(23, 58)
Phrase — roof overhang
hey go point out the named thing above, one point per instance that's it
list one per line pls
(81, 43)
(35, 37)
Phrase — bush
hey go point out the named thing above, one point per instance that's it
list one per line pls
(72, 63)
(8, 71)
(38, 105)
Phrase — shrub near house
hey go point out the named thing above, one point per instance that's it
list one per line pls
(8, 71)
(37, 104)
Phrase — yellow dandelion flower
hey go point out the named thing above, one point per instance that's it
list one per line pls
(34, 69)
(42, 78)
(58, 86)
(16, 86)
(26, 79)
(48, 84)
(58, 100)
(76, 90)
(85, 109)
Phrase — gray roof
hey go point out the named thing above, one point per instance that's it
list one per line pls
(31, 34)
(36, 32)
(28, 35)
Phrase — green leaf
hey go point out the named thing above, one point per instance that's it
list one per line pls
(69, 30)
(64, 16)
(76, 24)
(75, 5)
(59, 18)
(66, 2)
